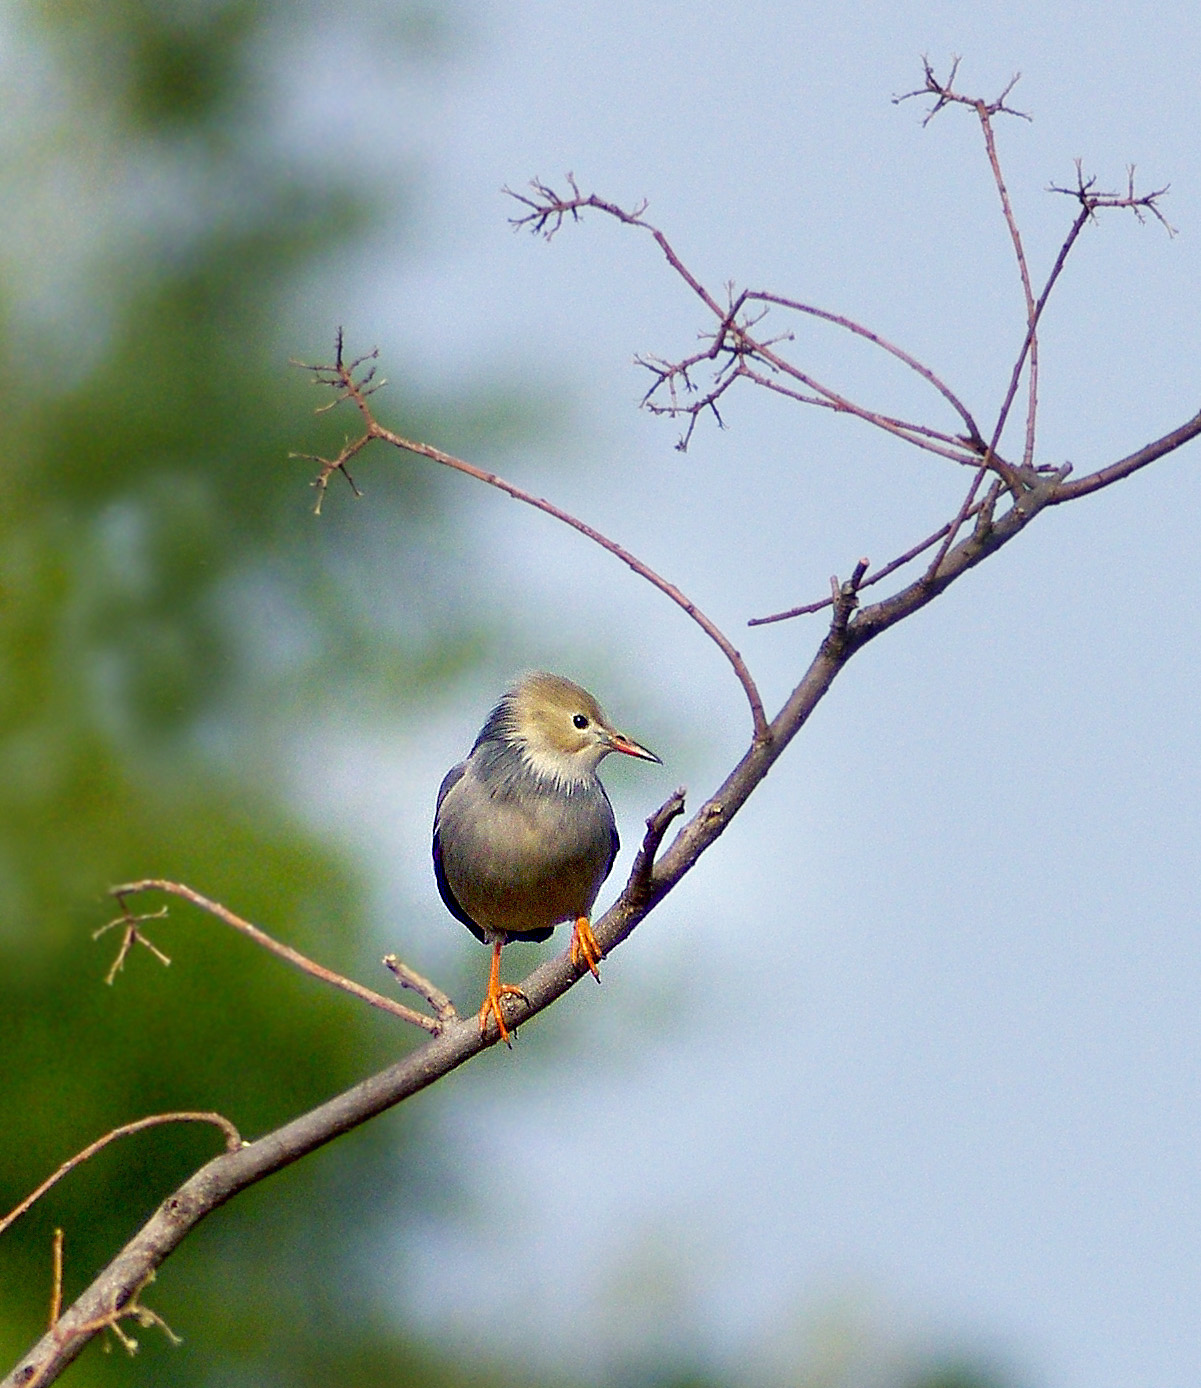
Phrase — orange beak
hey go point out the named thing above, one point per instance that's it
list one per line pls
(620, 743)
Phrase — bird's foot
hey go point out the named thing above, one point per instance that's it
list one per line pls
(491, 1007)
(584, 947)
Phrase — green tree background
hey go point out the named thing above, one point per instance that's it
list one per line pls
(172, 619)
(173, 626)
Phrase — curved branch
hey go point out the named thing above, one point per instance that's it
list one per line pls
(341, 377)
(838, 319)
(706, 624)
(233, 1140)
(650, 881)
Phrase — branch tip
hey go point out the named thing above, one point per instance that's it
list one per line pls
(1084, 191)
(657, 825)
(410, 978)
(944, 94)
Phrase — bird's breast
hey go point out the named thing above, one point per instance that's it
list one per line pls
(527, 859)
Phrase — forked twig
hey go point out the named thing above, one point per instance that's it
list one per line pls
(132, 935)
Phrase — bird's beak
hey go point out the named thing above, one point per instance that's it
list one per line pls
(618, 742)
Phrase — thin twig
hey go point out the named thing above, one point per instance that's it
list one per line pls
(916, 434)
(1030, 347)
(233, 1141)
(946, 95)
(656, 827)
(890, 568)
(973, 432)
(281, 951)
(56, 1291)
(410, 978)
(953, 529)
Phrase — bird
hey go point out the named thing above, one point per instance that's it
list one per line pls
(524, 834)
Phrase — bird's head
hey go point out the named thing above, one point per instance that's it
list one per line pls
(561, 730)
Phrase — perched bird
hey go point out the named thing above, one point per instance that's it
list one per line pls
(524, 833)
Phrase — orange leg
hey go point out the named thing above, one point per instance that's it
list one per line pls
(491, 1006)
(584, 948)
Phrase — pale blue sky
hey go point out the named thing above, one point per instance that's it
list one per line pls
(915, 1051)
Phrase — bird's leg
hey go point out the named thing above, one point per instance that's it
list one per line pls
(584, 948)
(491, 1006)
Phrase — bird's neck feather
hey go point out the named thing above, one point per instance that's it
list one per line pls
(511, 766)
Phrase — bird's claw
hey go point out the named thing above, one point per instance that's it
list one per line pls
(584, 947)
(491, 1008)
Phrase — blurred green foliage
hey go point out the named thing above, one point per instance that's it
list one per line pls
(172, 623)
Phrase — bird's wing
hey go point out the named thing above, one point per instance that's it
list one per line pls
(614, 838)
(451, 779)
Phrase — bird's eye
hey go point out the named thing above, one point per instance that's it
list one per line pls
(580, 720)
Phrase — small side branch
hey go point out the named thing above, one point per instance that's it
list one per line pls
(880, 574)
(656, 827)
(265, 941)
(233, 1141)
(844, 598)
(548, 210)
(56, 1289)
(410, 978)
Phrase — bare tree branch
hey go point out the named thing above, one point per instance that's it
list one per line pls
(1127, 466)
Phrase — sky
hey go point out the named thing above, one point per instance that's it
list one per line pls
(911, 1060)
